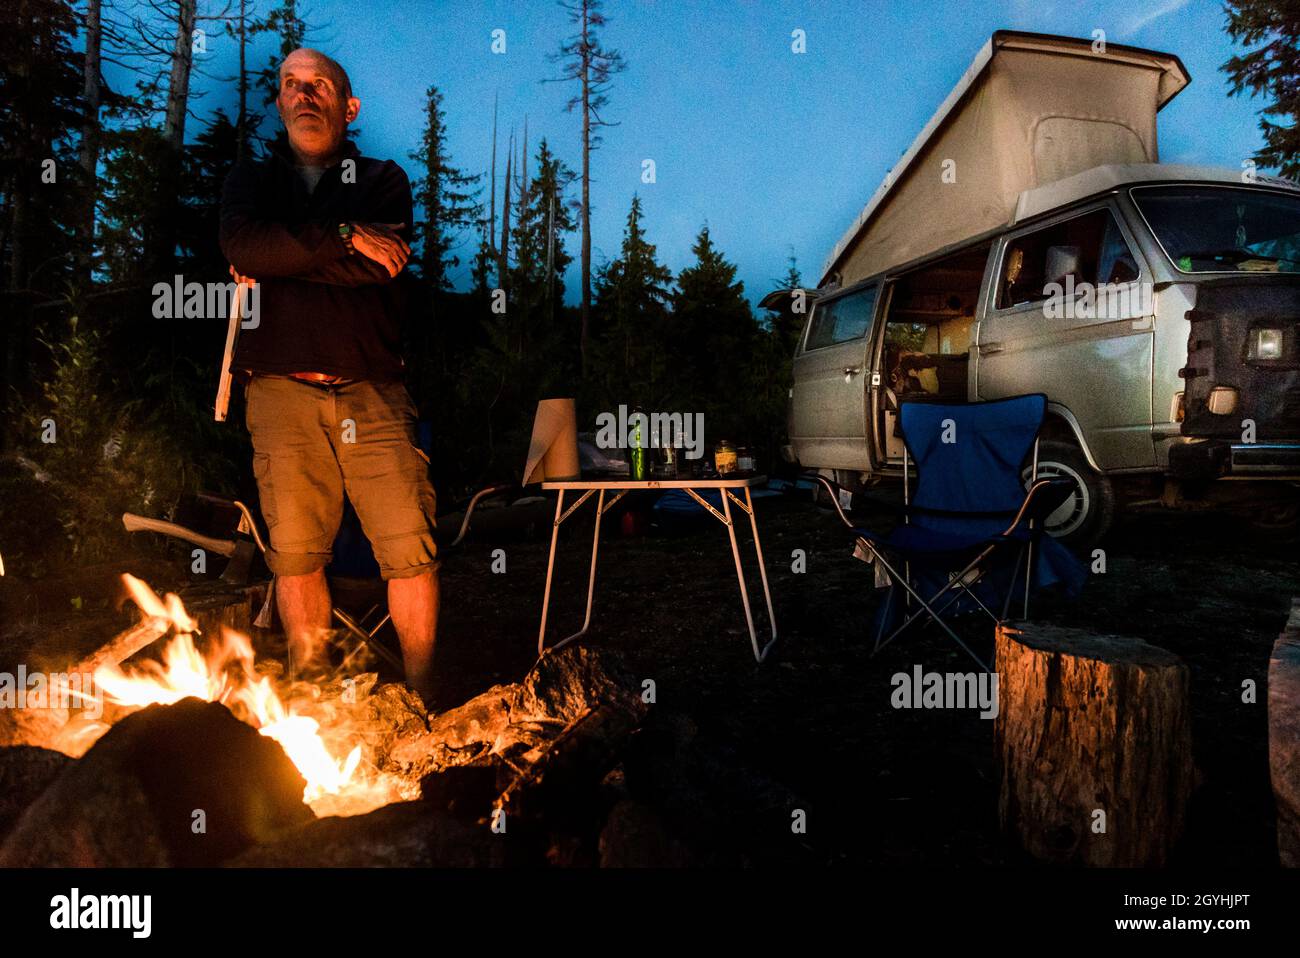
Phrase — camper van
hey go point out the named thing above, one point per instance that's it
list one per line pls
(1031, 241)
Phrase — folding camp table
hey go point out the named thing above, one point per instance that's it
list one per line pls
(621, 487)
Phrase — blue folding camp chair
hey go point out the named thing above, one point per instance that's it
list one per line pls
(971, 526)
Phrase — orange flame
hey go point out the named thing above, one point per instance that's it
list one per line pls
(226, 673)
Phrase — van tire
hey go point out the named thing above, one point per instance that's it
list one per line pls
(1081, 522)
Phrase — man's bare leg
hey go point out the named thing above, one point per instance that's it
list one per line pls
(304, 604)
(413, 603)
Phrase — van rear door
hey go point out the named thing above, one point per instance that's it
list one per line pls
(829, 404)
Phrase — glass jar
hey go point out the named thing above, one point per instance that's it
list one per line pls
(745, 461)
(724, 458)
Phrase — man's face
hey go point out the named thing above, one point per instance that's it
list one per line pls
(312, 105)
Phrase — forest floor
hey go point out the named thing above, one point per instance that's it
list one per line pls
(882, 786)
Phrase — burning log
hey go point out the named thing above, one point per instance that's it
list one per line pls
(516, 724)
(41, 725)
(537, 750)
(183, 784)
(123, 645)
(1094, 743)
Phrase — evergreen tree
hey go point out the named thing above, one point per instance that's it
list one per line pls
(632, 295)
(447, 196)
(786, 324)
(713, 337)
(537, 277)
(1272, 69)
(43, 193)
(208, 161)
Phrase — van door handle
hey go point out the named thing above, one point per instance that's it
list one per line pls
(987, 348)
(851, 371)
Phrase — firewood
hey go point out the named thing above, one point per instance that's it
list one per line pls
(1094, 745)
(516, 723)
(123, 645)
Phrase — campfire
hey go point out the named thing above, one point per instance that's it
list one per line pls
(190, 749)
(311, 721)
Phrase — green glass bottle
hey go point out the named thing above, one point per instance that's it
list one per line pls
(636, 459)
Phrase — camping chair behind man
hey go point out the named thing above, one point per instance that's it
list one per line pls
(972, 536)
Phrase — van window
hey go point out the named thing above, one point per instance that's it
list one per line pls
(841, 320)
(1090, 248)
(1212, 228)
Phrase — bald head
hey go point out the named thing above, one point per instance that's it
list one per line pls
(316, 105)
(307, 57)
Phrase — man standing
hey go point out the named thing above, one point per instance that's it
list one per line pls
(321, 229)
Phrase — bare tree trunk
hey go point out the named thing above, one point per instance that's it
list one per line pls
(492, 201)
(88, 157)
(586, 193)
(241, 146)
(178, 88)
(163, 244)
(503, 255)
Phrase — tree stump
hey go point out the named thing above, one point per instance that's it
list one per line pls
(1094, 746)
(1284, 737)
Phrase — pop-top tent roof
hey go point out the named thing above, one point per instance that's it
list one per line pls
(1031, 109)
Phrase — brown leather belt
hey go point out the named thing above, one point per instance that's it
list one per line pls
(324, 380)
(320, 379)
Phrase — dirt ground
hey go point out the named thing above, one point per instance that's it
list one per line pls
(890, 786)
(882, 786)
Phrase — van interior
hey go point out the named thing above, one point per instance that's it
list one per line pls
(929, 331)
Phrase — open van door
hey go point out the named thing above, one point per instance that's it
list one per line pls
(830, 397)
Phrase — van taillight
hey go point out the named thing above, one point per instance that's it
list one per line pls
(1222, 401)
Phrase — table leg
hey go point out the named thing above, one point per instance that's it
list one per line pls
(759, 654)
(762, 572)
(591, 578)
(550, 566)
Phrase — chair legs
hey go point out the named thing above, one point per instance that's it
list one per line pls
(933, 614)
(958, 582)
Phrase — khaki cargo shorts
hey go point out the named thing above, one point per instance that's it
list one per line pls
(311, 444)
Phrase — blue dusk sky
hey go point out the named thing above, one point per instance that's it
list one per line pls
(775, 151)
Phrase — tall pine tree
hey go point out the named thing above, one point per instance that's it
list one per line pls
(537, 277)
(631, 312)
(713, 336)
(447, 195)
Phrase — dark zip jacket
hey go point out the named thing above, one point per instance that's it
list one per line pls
(321, 309)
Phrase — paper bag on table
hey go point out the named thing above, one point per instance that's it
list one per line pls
(553, 451)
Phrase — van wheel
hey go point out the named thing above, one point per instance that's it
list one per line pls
(1080, 521)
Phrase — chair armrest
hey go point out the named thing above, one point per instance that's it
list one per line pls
(833, 488)
(1044, 497)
